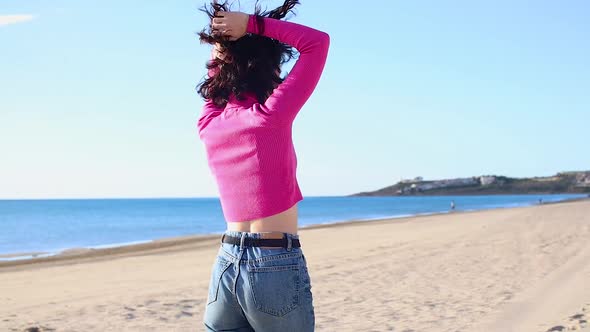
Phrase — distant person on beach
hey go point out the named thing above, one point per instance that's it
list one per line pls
(259, 280)
(540, 201)
(452, 205)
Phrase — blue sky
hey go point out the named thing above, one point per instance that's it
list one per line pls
(97, 98)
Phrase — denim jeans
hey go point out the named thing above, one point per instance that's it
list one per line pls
(259, 289)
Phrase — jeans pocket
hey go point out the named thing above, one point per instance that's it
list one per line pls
(275, 289)
(219, 268)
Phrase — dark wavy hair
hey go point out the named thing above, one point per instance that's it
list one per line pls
(251, 64)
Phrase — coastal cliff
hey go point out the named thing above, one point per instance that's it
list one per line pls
(561, 183)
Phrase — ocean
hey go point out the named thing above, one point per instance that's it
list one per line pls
(54, 225)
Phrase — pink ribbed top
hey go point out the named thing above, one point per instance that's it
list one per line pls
(249, 145)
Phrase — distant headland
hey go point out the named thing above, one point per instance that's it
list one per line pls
(561, 183)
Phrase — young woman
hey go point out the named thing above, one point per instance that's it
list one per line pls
(260, 280)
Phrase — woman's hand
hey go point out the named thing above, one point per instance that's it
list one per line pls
(230, 24)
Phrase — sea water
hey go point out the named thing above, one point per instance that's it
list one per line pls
(54, 225)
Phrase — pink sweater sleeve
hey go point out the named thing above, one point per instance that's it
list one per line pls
(290, 96)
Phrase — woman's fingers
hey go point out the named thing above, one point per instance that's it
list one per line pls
(231, 24)
(219, 27)
(224, 32)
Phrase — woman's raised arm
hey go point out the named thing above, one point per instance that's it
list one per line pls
(290, 96)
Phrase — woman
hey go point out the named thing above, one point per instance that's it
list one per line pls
(260, 280)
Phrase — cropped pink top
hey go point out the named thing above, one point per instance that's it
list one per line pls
(249, 145)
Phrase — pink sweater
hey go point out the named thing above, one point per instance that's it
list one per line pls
(249, 145)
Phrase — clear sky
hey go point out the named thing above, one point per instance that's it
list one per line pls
(97, 98)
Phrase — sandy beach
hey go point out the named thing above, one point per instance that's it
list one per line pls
(521, 269)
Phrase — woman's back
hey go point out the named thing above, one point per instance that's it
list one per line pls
(249, 144)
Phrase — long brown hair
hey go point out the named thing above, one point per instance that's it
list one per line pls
(251, 63)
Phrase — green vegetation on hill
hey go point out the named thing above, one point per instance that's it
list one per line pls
(561, 183)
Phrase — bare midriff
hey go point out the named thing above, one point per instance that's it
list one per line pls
(275, 225)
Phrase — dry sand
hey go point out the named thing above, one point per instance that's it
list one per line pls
(522, 269)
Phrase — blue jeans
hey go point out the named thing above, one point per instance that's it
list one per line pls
(259, 289)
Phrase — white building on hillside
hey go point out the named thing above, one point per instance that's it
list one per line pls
(487, 180)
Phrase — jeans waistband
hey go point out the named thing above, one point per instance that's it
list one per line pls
(257, 235)
(236, 249)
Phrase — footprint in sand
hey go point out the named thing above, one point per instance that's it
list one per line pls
(39, 329)
(188, 304)
(151, 312)
(184, 314)
(581, 319)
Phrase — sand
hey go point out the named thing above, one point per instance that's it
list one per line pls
(520, 269)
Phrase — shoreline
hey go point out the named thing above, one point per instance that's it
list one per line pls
(178, 243)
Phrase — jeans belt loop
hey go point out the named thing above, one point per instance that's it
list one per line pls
(222, 237)
(242, 240)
